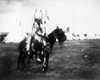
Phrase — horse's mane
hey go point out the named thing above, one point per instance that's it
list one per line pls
(50, 38)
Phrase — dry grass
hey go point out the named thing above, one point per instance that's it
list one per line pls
(73, 60)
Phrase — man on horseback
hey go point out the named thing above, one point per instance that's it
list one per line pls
(37, 29)
(37, 36)
(38, 44)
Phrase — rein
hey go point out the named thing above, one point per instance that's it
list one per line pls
(54, 35)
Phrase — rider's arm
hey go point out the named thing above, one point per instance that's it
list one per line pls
(39, 34)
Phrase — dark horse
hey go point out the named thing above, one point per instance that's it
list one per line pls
(40, 50)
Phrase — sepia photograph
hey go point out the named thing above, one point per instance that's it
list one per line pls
(49, 39)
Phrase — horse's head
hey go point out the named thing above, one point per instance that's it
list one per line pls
(59, 34)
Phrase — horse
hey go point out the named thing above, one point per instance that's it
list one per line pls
(39, 50)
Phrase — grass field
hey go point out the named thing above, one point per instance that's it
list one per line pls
(73, 60)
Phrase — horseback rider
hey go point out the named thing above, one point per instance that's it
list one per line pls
(38, 30)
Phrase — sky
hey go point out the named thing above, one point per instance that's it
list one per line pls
(82, 16)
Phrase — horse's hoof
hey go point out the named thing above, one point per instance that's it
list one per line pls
(28, 72)
(44, 70)
(18, 70)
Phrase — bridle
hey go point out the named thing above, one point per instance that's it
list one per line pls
(54, 34)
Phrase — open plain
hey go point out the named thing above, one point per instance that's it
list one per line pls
(73, 60)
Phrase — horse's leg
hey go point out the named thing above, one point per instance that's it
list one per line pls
(23, 61)
(29, 59)
(30, 56)
(45, 61)
(18, 62)
(41, 56)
